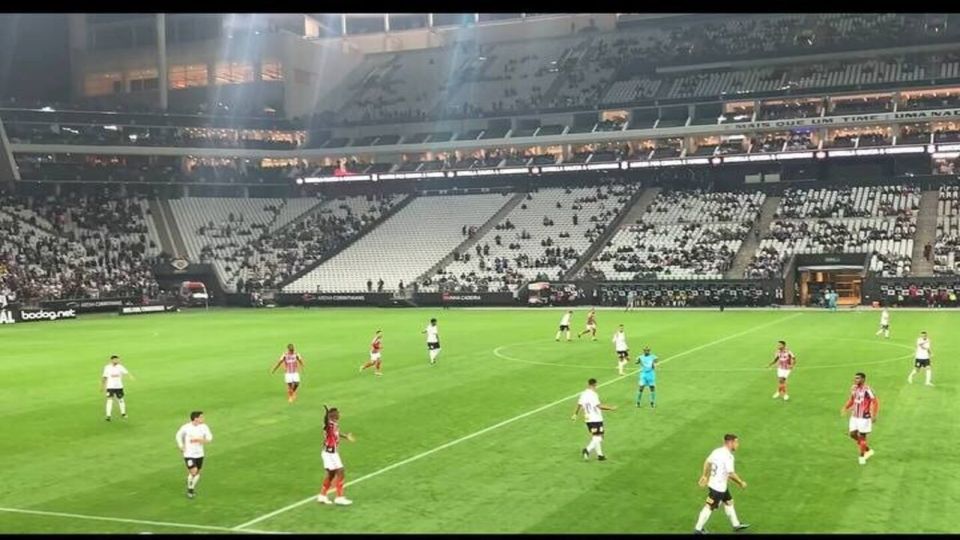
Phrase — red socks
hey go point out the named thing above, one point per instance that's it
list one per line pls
(862, 443)
(325, 487)
(782, 388)
(340, 487)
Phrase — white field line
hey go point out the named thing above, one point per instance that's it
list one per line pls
(497, 426)
(134, 521)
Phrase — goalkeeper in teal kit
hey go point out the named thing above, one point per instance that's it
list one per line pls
(648, 363)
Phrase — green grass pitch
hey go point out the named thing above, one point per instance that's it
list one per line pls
(482, 442)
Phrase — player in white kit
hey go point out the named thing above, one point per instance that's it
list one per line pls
(623, 351)
(433, 340)
(589, 401)
(884, 323)
(191, 438)
(717, 471)
(922, 359)
(565, 325)
(112, 382)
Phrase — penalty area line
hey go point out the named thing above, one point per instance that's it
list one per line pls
(133, 521)
(498, 425)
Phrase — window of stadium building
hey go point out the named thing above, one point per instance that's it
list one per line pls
(188, 76)
(233, 73)
(101, 84)
(143, 79)
(271, 71)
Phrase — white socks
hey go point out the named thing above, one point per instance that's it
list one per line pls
(192, 480)
(433, 355)
(910, 376)
(620, 365)
(929, 375)
(595, 445)
(109, 407)
(732, 514)
(123, 407)
(703, 517)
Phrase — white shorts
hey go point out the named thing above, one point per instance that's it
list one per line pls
(375, 357)
(291, 378)
(783, 373)
(863, 425)
(591, 327)
(331, 461)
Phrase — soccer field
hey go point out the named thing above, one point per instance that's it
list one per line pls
(483, 441)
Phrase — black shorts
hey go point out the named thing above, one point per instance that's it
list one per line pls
(192, 462)
(921, 362)
(564, 328)
(433, 346)
(115, 392)
(595, 428)
(623, 354)
(714, 498)
(884, 326)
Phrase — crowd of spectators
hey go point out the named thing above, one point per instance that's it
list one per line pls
(76, 247)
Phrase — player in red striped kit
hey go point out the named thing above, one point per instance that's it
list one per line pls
(331, 458)
(375, 347)
(863, 405)
(785, 361)
(292, 365)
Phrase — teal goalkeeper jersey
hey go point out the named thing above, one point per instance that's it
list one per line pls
(646, 362)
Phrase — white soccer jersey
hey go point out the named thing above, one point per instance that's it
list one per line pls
(885, 318)
(565, 320)
(721, 465)
(923, 349)
(433, 334)
(114, 375)
(590, 402)
(185, 436)
(620, 341)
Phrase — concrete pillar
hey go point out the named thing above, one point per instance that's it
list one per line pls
(386, 22)
(343, 24)
(429, 20)
(162, 70)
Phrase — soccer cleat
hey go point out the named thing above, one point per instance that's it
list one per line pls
(786, 397)
(775, 396)
(638, 404)
(377, 373)
(107, 419)
(741, 527)
(361, 369)
(928, 384)
(699, 531)
(323, 499)
(863, 460)
(868, 455)
(124, 416)
(586, 455)
(653, 405)
(342, 501)
(190, 494)
(601, 458)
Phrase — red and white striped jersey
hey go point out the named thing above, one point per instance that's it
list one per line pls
(290, 362)
(862, 399)
(785, 359)
(376, 345)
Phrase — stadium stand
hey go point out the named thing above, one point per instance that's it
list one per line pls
(683, 235)
(879, 221)
(404, 246)
(947, 246)
(218, 230)
(76, 247)
(541, 238)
